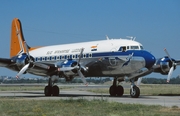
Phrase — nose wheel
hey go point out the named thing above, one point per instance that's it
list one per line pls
(134, 90)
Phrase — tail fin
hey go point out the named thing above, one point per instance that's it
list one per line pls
(17, 39)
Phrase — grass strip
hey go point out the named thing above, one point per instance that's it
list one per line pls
(80, 107)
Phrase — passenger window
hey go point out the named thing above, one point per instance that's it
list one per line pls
(76, 56)
(57, 57)
(73, 56)
(62, 57)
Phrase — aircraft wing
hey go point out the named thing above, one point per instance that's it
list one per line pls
(37, 68)
(178, 62)
(5, 62)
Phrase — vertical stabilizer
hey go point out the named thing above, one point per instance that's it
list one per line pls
(17, 39)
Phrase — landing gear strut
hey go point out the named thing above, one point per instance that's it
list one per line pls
(134, 90)
(51, 89)
(115, 89)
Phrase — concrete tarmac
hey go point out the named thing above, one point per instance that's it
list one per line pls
(167, 101)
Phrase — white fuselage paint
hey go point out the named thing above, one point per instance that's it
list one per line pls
(112, 66)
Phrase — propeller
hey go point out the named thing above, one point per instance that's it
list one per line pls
(172, 68)
(22, 70)
(79, 69)
(27, 65)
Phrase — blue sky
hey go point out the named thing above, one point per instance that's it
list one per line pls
(154, 23)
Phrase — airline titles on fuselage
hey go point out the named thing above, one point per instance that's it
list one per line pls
(62, 51)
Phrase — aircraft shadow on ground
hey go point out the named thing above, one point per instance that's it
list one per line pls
(168, 94)
(40, 94)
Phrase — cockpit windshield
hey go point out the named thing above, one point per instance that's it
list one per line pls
(133, 47)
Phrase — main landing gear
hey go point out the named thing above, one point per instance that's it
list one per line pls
(118, 90)
(51, 89)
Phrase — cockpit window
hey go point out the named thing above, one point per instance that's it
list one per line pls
(135, 47)
(125, 48)
(122, 49)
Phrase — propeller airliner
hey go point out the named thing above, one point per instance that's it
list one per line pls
(118, 58)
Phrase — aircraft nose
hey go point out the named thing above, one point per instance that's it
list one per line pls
(150, 60)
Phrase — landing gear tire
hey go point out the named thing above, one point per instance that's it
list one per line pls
(116, 90)
(48, 91)
(119, 90)
(55, 90)
(135, 92)
(112, 90)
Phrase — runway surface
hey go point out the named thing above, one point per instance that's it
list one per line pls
(167, 101)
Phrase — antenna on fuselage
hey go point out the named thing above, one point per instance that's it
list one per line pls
(107, 37)
(131, 37)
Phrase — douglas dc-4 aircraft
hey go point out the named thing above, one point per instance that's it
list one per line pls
(118, 58)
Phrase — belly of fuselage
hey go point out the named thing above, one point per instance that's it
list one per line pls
(114, 66)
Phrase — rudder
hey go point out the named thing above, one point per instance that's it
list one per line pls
(17, 39)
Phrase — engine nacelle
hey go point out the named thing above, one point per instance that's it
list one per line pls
(165, 65)
(69, 70)
(22, 60)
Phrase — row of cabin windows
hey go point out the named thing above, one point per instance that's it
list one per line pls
(54, 58)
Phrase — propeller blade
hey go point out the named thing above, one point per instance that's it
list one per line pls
(82, 78)
(172, 68)
(170, 74)
(80, 55)
(139, 81)
(27, 50)
(22, 70)
(168, 54)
